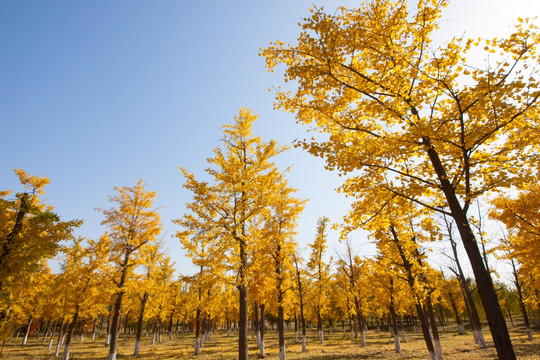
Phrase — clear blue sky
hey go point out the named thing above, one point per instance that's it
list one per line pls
(97, 94)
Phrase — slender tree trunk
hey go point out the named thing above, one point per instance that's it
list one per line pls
(469, 302)
(510, 316)
(281, 331)
(242, 324)
(60, 338)
(47, 329)
(295, 327)
(197, 330)
(108, 337)
(125, 326)
(411, 281)
(521, 303)
(459, 324)
(38, 329)
(320, 331)
(115, 326)
(397, 345)
(255, 324)
(496, 321)
(360, 321)
(94, 329)
(203, 331)
(171, 325)
(434, 331)
(69, 333)
(403, 337)
(262, 331)
(140, 321)
(301, 297)
(53, 331)
(25, 338)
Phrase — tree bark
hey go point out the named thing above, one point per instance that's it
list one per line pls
(521, 303)
(242, 324)
(262, 332)
(69, 334)
(459, 324)
(434, 331)
(301, 296)
(53, 331)
(25, 338)
(255, 324)
(60, 338)
(397, 345)
(281, 331)
(420, 312)
(115, 326)
(140, 321)
(496, 321)
(469, 302)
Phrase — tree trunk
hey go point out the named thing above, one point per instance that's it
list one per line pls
(69, 334)
(469, 302)
(140, 320)
(434, 331)
(281, 331)
(411, 281)
(320, 332)
(496, 321)
(242, 298)
(60, 338)
(171, 325)
(301, 297)
(53, 331)
(25, 338)
(459, 324)
(47, 329)
(115, 326)
(295, 327)
(108, 337)
(360, 321)
(242, 324)
(393, 322)
(255, 324)
(403, 337)
(125, 326)
(197, 330)
(521, 303)
(262, 332)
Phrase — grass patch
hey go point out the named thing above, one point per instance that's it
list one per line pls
(221, 347)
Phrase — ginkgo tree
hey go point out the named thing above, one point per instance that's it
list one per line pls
(133, 223)
(415, 120)
(243, 177)
(29, 229)
(82, 277)
(281, 222)
(319, 272)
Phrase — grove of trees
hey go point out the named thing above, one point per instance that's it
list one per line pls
(430, 146)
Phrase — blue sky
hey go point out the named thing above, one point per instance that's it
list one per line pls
(98, 94)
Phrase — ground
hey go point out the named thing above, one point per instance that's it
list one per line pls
(220, 347)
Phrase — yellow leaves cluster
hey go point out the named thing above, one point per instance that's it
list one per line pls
(132, 221)
(521, 216)
(240, 226)
(368, 78)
